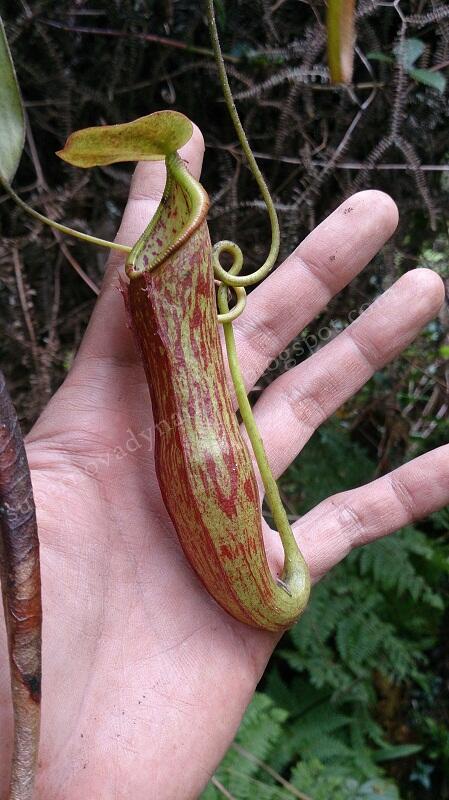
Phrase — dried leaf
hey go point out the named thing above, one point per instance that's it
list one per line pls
(21, 590)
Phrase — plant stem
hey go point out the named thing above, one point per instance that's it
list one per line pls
(85, 237)
(220, 273)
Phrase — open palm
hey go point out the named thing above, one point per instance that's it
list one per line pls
(145, 677)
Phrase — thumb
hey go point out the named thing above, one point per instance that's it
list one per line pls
(107, 335)
(146, 190)
(104, 372)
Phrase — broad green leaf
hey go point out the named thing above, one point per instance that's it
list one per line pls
(434, 79)
(340, 39)
(149, 138)
(12, 119)
(409, 51)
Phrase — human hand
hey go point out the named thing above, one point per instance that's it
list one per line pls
(145, 678)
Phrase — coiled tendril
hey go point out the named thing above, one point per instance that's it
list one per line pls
(232, 277)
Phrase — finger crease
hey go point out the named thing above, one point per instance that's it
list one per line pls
(305, 407)
(371, 355)
(261, 336)
(404, 496)
(352, 525)
(142, 197)
(327, 283)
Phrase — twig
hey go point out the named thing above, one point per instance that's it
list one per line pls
(24, 305)
(270, 771)
(145, 37)
(38, 354)
(218, 785)
(352, 164)
(249, 778)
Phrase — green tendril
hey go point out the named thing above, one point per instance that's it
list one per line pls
(231, 315)
(295, 568)
(294, 564)
(228, 277)
(85, 237)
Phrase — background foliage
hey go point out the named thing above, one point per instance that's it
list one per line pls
(354, 703)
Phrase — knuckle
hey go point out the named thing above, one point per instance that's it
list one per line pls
(404, 496)
(371, 353)
(306, 406)
(352, 523)
(261, 336)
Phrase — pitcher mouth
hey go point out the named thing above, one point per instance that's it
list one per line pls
(183, 207)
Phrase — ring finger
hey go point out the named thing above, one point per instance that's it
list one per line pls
(295, 404)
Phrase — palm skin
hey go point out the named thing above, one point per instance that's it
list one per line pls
(145, 677)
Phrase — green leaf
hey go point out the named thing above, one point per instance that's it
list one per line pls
(340, 39)
(434, 256)
(323, 782)
(434, 79)
(409, 51)
(444, 351)
(12, 118)
(148, 138)
(259, 733)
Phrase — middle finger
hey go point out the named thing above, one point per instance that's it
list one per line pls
(326, 261)
(296, 403)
